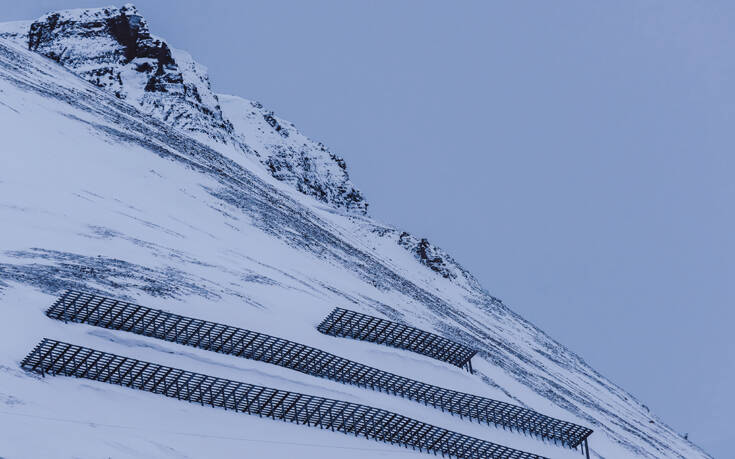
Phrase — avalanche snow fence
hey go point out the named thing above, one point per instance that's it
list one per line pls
(58, 358)
(346, 323)
(108, 313)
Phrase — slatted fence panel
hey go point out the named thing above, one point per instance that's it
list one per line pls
(104, 312)
(346, 323)
(57, 358)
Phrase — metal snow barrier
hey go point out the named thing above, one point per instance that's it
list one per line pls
(58, 358)
(351, 324)
(104, 312)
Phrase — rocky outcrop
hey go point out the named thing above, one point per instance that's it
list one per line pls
(292, 157)
(112, 48)
(428, 255)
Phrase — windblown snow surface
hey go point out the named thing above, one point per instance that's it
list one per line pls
(97, 195)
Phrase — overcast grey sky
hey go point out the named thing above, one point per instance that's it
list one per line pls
(576, 156)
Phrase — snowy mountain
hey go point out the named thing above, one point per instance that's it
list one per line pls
(123, 174)
(291, 157)
(113, 49)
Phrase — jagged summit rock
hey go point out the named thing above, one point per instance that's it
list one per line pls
(114, 49)
(292, 157)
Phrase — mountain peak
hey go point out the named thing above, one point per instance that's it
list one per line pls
(114, 49)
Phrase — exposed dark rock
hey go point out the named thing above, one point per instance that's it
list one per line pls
(113, 49)
(292, 157)
(427, 254)
(107, 46)
(268, 117)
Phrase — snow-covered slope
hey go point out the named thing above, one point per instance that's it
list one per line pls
(290, 156)
(113, 48)
(101, 194)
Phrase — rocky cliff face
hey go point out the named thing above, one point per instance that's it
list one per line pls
(113, 49)
(292, 157)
